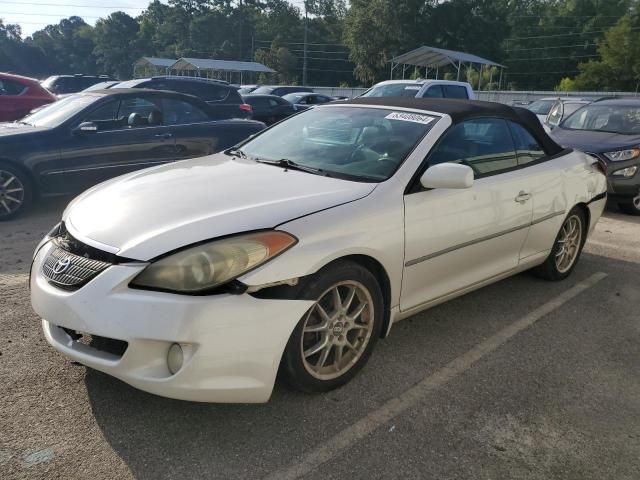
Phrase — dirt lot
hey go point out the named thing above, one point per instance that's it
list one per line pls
(520, 380)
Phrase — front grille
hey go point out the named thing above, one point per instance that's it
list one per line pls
(70, 271)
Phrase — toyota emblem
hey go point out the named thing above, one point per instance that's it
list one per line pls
(62, 265)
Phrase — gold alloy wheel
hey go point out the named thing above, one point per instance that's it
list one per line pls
(337, 330)
(569, 243)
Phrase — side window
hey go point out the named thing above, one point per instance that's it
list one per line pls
(455, 91)
(273, 102)
(105, 117)
(527, 147)
(322, 99)
(434, 91)
(9, 87)
(138, 112)
(178, 112)
(485, 144)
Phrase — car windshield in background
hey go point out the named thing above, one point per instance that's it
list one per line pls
(357, 143)
(101, 85)
(541, 107)
(293, 97)
(56, 113)
(393, 90)
(263, 90)
(605, 118)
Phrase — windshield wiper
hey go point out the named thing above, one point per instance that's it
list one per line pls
(235, 152)
(291, 165)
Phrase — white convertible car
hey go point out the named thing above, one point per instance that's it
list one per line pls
(297, 250)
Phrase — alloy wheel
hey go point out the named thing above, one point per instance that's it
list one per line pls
(11, 193)
(636, 202)
(337, 330)
(569, 243)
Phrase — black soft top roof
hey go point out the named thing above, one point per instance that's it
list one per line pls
(461, 110)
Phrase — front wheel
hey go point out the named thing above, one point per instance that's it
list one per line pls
(334, 339)
(631, 207)
(566, 248)
(15, 192)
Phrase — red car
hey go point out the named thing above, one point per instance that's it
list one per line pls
(19, 95)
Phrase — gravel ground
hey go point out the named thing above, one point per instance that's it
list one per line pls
(559, 399)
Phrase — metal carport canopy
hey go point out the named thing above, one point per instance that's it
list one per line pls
(219, 65)
(438, 57)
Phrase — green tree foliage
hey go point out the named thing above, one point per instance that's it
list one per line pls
(619, 65)
(544, 43)
(116, 44)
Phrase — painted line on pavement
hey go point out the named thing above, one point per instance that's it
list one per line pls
(414, 395)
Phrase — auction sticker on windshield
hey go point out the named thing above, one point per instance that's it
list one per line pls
(410, 117)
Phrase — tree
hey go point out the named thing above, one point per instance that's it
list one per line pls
(116, 44)
(619, 64)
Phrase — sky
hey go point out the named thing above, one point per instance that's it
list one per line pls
(34, 15)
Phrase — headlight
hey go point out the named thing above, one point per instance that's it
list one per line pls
(626, 172)
(201, 268)
(622, 155)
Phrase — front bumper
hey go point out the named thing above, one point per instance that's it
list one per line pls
(232, 344)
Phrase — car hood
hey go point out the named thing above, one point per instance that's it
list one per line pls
(591, 141)
(8, 129)
(150, 212)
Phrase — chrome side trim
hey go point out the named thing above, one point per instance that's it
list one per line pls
(102, 167)
(480, 240)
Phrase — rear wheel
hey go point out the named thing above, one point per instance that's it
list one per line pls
(15, 192)
(334, 339)
(566, 249)
(631, 207)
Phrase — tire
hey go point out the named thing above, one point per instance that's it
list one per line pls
(631, 207)
(348, 342)
(561, 262)
(16, 192)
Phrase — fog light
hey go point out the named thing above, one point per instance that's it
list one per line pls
(175, 358)
(626, 172)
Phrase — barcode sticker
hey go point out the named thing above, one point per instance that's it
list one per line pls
(410, 117)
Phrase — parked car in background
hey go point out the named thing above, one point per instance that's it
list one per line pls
(246, 89)
(269, 108)
(421, 89)
(225, 99)
(295, 252)
(280, 90)
(302, 101)
(89, 137)
(63, 84)
(561, 109)
(520, 103)
(19, 95)
(609, 130)
(542, 107)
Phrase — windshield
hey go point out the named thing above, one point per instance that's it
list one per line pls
(58, 112)
(541, 107)
(623, 119)
(393, 90)
(293, 97)
(357, 143)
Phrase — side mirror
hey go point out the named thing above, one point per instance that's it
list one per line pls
(447, 175)
(86, 127)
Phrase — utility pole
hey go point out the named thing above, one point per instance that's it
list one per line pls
(304, 61)
(241, 22)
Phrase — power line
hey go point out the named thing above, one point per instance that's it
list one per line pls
(563, 34)
(585, 45)
(551, 58)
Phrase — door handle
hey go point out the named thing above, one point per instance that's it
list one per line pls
(163, 135)
(523, 197)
